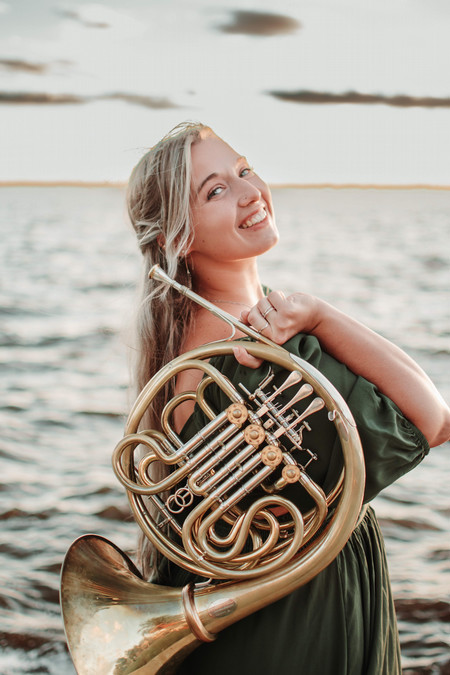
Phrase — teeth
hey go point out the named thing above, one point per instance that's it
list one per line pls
(257, 218)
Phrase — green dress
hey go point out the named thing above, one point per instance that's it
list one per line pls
(343, 621)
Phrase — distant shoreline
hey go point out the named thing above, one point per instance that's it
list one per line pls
(299, 186)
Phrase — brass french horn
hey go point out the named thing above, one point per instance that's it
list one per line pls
(118, 623)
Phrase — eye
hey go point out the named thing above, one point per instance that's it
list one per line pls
(214, 192)
(246, 171)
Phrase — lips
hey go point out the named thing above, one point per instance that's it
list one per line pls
(254, 219)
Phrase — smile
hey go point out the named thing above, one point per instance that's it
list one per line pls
(255, 219)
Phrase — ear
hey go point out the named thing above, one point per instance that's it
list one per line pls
(161, 241)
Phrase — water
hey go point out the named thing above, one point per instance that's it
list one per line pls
(68, 266)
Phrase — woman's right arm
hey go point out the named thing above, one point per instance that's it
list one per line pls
(363, 351)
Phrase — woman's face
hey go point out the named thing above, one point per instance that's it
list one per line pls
(233, 216)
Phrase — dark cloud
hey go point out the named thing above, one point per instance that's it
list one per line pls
(260, 24)
(24, 66)
(38, 98)
(354, 97)
(75, 16)
(146, 101)
(42, 98)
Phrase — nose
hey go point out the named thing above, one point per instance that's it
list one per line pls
(248, 193)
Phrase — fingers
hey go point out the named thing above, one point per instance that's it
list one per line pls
(276, 299)
(280, 318)
(267, 311)
(246, 359)
(245, 318)
(244, 315)
(263, 314)
(258, 322)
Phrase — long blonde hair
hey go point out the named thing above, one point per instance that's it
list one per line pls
(159, 207)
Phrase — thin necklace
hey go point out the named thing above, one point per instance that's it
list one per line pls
(229, 302)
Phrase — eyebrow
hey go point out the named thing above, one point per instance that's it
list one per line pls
(215, 175)
(211, 175)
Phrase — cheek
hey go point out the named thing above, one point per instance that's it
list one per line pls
(205, 234)
(212, 219)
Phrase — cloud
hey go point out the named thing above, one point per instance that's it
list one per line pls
(24, 66)
(120, 25)
(39, 98)
(260, 24)
(164, 103)
(43, 98)
(354, 97)
(146, 101)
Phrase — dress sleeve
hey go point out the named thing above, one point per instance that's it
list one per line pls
(392, 445)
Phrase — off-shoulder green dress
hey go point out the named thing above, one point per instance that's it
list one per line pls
(343, 621)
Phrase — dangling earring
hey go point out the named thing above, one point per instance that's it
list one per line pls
(188, 272)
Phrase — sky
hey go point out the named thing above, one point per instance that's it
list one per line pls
(311, 91)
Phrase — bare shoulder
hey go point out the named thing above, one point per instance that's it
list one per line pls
(207, 328)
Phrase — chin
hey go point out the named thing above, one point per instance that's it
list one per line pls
(275, 236)
(269, 243)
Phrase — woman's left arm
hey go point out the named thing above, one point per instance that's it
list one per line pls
(362, 350)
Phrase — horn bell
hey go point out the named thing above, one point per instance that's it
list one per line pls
(115, 622)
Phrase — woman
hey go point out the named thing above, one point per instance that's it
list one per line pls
(204, 215)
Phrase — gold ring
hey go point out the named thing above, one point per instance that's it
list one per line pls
(271, 309)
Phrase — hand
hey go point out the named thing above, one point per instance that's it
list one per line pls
(279, 318)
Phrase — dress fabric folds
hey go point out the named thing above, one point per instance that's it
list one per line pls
(343, 621)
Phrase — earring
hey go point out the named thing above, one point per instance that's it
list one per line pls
(188, 271)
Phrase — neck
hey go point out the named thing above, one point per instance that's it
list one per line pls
(236, 282)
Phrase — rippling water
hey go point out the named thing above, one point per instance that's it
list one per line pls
(68, 270)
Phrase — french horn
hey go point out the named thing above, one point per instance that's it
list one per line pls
(219, 513)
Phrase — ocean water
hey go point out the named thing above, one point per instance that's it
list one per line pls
(68, 271)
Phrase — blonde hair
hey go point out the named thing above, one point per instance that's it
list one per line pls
(159, 207)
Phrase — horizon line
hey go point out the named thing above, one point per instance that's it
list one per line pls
(304, 186)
